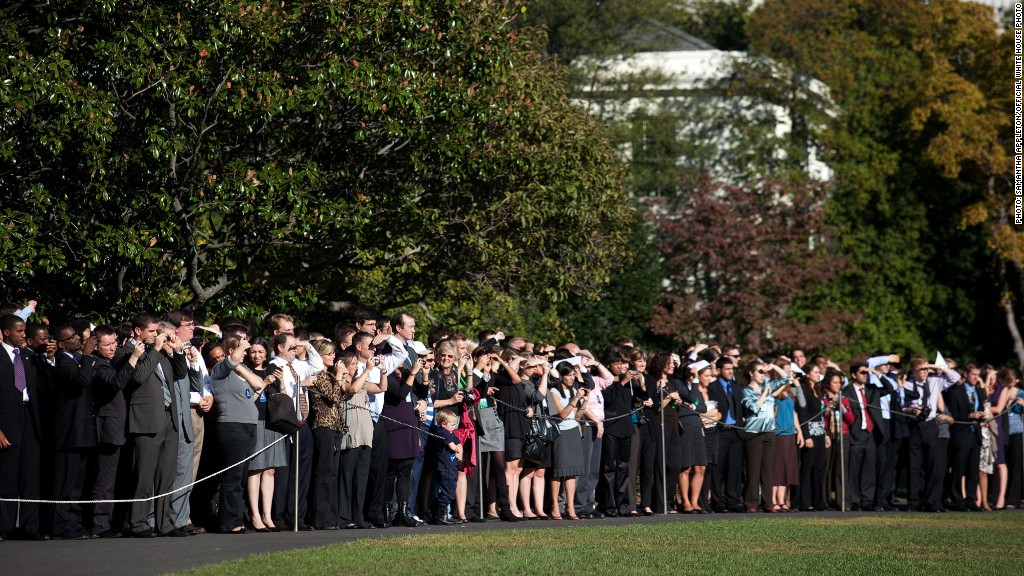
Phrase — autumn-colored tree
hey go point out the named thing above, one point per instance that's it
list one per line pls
(912, 129)
(738, 257)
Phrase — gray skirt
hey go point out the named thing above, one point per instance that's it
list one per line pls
(276, 457)
(567, 454)
(492, 431)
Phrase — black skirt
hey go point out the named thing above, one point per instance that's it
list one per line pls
(692, 447)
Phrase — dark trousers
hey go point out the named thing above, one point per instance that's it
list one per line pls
(658, 475)
(966, 461)
(615, 470)
(398, 481)
(812, 475)
(447, 479)
(634, 465)
(237, 441)
(727, 482)
(863, 453)
(759, 450)
(326, 462)
(1015, 469)
(375, 493)
(927, 464)
(306, 448)
(156, 457)
(586, 484)
(70, 471)
(107, 458)
(19, 478)
(417, 468)
(352, 475)
(886, 470)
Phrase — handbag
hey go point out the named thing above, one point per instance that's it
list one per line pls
(346, 442)
(281, 415)
(541, 434)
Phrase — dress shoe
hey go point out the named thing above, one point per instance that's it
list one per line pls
(738, 510)
(176, 533)
(975, 508)
(305, 528)
(595, 515)
(3, 536)
(193, 530)
(508, 516)
(854, 507)
(144, 534)
(72, 535)
(243, 530)
(611, 513)
(109, 534)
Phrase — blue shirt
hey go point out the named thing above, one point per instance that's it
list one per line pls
(785, 421)
(727, 386)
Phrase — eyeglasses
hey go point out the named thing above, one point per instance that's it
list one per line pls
(72, 337)
(447, 356)
(186, 324)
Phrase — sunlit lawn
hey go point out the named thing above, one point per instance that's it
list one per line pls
(878, 545)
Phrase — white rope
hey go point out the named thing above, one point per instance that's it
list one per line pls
(158, 496)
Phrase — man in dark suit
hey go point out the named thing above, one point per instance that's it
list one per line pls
(896, 428)
(151, 423)
(965, 403)
(107, 383)
(727, 480)
(74, 433)
(19, 431)
(865, 434)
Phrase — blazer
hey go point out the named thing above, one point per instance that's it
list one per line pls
(75, 422)
(145, 390)
(12, 415)
(871, 394)
(108, 384)
(728, 404)
(182, 390)
(959, 407)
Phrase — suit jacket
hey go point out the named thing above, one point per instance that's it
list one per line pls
(12, 416)
(182, 390)
(871, 394)
(727, 403)
(960, 407)
(108, 386)
(899, 426)
(75, 422)
(145, 390)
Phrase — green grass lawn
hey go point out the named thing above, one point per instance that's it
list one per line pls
(958, 544)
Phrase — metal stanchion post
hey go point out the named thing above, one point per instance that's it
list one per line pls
(664, 463)
(295, 520)
(842, 457)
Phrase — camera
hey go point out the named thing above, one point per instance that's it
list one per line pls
(376, 361)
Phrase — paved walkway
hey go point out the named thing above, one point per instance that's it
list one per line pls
(115, 557)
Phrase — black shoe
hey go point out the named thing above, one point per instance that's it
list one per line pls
(72, 535)
(144, 534)
(596, 515)
(854, 507)
(406, 515)
(108, 534)
(441, 516)
(506, 515)
(3, 536)
(611, 513)
(738, 510)
(176, 533)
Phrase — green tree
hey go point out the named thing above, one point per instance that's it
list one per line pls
(243, 156)
(912, 124)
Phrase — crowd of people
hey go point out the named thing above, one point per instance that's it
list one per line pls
(367, 427)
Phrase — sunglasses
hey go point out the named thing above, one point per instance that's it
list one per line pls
(760, 371)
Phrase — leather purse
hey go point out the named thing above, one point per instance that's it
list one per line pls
(281, 413)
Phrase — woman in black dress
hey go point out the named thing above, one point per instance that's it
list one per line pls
(402, 421)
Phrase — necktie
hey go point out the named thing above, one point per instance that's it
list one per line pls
(867, 424)
(303, 402)
(924, 400)
(19, 372)
(166, 387)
